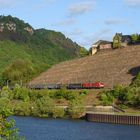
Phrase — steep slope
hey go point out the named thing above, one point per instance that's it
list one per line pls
(43, 48)
(111, 67)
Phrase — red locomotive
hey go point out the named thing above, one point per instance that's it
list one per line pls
(93, 85)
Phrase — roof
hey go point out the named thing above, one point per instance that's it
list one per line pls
(102, 42)
(126, 38)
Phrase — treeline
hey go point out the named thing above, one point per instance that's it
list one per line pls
(123, 96)
(19, 71)
(43, 103)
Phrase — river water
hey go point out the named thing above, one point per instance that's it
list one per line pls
(61, 129)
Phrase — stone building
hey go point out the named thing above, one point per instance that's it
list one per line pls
(120, 40)
(101, 45)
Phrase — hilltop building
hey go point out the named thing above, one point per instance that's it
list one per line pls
(120, 40)
(101, 45)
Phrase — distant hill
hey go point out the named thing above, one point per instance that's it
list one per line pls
(41, 47)
(113, 67)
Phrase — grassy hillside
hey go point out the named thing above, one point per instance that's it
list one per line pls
(41, 48)
(112, 67)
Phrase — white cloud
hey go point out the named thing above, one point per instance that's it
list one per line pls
(115, 21)
(65, 22)
(132, 3)
(81, 8)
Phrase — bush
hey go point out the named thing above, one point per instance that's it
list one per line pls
(63, 94)
(22, 108)
(4, 103)
(6, 92)
(76, 108)
(106, 98)
(35, 111)
(21, 93)
(58, 112)
(136, 82)
(127, 96)
(83, 92)
(45, 106)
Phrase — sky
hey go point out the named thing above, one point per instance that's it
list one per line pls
(83, 21)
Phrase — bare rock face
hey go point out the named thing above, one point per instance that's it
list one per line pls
(29, 30)
(11, 26)
(1, 27)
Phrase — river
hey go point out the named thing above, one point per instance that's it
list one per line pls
(62, 129)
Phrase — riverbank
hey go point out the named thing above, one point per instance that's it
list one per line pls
(50, 103)
(113, 118)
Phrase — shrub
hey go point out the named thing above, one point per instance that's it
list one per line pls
(106, 98)
(136, 82)
(6, 92)
(58, 112)
(45, 106)
(83, 92)
(125, 96)
(35, 111)
(21, 93)
(22, 108)
(63, 94)
(76, 108)
(4, 103)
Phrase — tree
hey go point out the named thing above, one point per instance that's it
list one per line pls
(83, 52)
(45, 106)
(135, 37)
(117, 41)
(136, 82)
(76, 108)
(18, 71)
(7, 132)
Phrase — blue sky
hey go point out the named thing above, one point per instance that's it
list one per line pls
(84, 21)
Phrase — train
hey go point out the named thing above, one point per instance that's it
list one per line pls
(96, 85)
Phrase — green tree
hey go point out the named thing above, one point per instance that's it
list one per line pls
(21, 93)
(45, 106)
(7, 130)
(76, 108)
(83, 52)
(6, 92)
(135, 37)
(22, 108)
(117, 41)
(136, 82)
(18, 71)
(58, 112)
